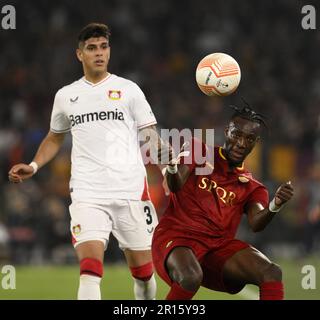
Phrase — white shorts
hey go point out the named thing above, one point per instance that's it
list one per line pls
(132, 222)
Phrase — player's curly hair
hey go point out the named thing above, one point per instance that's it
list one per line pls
(94, 30)
(246, 112)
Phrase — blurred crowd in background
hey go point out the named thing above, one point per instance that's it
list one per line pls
(158, 45)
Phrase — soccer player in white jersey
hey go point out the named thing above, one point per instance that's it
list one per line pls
(108, 186)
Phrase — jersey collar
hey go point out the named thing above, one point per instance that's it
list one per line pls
(96, 84)
(240, 168)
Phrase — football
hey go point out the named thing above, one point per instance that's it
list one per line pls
(218, 74)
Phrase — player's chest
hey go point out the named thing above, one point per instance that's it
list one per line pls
(97, 105)
(228, 190)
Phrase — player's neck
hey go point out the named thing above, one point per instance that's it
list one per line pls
(95, 78)
(231, 164)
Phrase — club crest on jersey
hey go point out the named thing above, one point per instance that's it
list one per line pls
(76, 229)
(114, 94)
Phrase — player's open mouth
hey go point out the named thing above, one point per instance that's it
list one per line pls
(99, 62)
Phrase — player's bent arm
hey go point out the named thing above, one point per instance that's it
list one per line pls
(160, 151)
(151, 141)
(164, 154)
(177, 180)
(48, 148)
(258, 216)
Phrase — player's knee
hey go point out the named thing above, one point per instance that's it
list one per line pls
(189, 278)
(90, 266)
(143, 272)
(272, 273)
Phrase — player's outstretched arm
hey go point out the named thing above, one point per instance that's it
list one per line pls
(259, 217)
(177, 179)
(175, 174)
(48, 148)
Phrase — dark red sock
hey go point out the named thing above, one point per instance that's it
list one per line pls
(272, 290)
(91, 267)
(143, 272)
(178, 293)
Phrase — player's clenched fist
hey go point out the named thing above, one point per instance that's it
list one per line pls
(283, 194)
(20, 172)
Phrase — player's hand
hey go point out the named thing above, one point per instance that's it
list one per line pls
(176, 159)
(165, 152)
(20, 172)
(283, 194)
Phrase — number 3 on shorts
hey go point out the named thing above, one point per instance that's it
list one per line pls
(147, 211)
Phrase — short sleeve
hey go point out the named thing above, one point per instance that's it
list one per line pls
(59, 120)
(141, 109)
(259, 195)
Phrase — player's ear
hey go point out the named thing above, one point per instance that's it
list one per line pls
(79, 54)
(226, 130)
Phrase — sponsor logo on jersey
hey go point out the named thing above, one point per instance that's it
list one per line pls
(224, 195)
(95, 116)
(114, 94)
(74, 100)
(76, 229)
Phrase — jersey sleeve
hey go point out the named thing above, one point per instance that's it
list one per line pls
(59, 120)
(141, 109)
(259, 195)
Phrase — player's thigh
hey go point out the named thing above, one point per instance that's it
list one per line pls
(246, 266)
(137, 258)
(181, 262)
(90, 227)
(134, 224)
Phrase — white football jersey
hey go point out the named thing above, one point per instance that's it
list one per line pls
(104, 120)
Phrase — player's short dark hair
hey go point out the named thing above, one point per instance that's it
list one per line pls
(247, 112)
(94, 30)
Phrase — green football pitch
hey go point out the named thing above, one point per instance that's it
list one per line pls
(61, 282)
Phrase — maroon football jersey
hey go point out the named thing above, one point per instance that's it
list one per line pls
(213, 204)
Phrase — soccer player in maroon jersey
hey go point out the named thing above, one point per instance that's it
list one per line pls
(194, 243)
